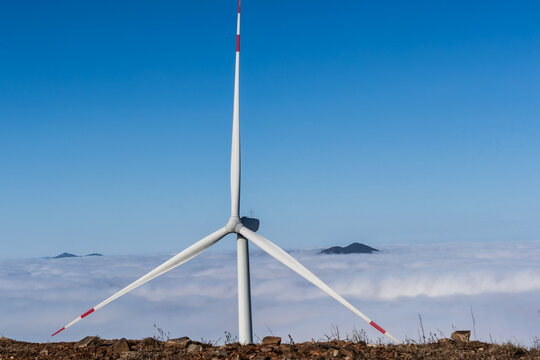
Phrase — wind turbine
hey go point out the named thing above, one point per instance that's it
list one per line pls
(245, 229)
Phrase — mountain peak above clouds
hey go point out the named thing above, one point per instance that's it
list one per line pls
(354, 248)
(69, 255)
(64, 255)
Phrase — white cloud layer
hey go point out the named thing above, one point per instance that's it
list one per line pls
(499, 282)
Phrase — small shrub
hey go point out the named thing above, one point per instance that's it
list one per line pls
(229, 338)
(161, 335)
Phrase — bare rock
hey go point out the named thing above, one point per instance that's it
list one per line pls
(315, 353)
(261, 357)
(129, 354)
(182, 342)
(461, 335)
(220, 352)
(347, 353)
(120, 346)
(194, 348)
(334, 353)
(44, 352)
(150, 342)
(267, 348)
(89, 340)
(285, 347)
(271, 340)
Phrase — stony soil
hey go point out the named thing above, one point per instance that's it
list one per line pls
(95, 348)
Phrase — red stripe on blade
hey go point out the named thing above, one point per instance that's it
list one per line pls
(237, 42)
(377, 327)
(59, 331)
(239, 6)
(87, 313)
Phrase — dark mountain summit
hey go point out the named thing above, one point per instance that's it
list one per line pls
(69, 255)
(354, 248)
(64, 255)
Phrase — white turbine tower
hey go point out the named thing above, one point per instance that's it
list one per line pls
(245, 229)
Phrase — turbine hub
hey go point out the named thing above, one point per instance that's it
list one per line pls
(234, 224)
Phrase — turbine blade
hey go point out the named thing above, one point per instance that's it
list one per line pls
(235, 145)
(287, 260)
(186, 255)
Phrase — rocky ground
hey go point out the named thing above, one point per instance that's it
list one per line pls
(271, 348)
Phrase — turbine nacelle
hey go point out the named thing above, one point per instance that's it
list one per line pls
(251, 223)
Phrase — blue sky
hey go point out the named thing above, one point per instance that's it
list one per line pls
(381, 122)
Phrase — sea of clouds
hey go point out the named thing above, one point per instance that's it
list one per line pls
(497, 284)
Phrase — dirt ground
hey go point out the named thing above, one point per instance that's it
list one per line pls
(184, 348)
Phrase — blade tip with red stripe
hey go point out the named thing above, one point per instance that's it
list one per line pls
(87, 313)
(374, 324)
(63, 328)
